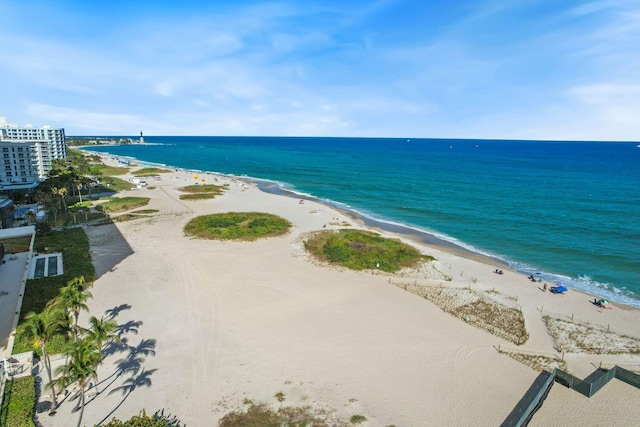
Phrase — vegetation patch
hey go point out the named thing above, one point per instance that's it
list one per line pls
(200, 192)
(73, 243)
(110, 170)
(261, 414)
(360, 250)
(126, 217)
(197, 196)
(120, 204)
(149, 172)
(580, 338)
(538, 362)
(18, 403)
(143, 420)
(237, 226)
(208, 188)
(470, 306)
(115, 184)
(145, 211)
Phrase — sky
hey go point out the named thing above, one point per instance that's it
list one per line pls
(509, 69)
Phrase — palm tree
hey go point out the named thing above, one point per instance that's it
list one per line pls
(100, 332)
(84, 359)
(39, 328)
(74, 297)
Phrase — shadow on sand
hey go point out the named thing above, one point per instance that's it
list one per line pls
(108, 247)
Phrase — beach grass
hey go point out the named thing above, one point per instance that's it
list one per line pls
(237, 226)
(575, 337)
(362, 250)
(483, 313)
(538, 362)
(201, 192)
(18, 402)
(149, 172)
(205, 188)
(145, 211)
(120, 204)
(197, 196)
(262, 414)
(111, 170)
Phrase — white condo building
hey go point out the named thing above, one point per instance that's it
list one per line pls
(26, 153)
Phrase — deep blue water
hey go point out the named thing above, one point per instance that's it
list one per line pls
(570, 210)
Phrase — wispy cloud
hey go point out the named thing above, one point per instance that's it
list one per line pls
(489, 69)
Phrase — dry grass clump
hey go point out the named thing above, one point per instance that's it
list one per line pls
(262, 414)
(538, 362)
(580, 338)
(475, 309)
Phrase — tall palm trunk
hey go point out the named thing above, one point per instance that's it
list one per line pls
(82, 407)
(47, 365)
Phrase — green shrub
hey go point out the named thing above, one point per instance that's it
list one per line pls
(360, 250)
(237, 225)
(143, 420)
(357, 419)
(18, 403)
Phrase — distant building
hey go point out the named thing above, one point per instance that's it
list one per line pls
(26, 153)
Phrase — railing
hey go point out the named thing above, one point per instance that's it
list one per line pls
(535, 396)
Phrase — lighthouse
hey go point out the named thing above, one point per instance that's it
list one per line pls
(141, 138)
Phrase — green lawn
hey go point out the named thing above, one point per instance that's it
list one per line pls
(74, 246)
(18, 403)
(121, 204)
(114, 184)
(111, 170)
(360, 250)
(237, 226)
(149, 172)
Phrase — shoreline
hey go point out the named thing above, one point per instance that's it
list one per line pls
(235, 321)
(429, 239)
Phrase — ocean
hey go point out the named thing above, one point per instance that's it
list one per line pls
(566, 211)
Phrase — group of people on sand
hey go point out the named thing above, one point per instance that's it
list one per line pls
(498, 271)
(533, 279)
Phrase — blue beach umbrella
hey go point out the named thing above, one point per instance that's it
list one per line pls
(561, 289)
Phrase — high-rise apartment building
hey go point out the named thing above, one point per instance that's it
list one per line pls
(26, 153)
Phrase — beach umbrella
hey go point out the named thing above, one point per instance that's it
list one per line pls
(561, 289)
(604, 301)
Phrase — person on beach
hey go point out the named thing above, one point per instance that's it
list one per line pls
(544, 287)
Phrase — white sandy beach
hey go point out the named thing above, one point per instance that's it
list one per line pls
(236, 320)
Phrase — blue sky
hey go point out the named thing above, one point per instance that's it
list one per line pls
(530, 69)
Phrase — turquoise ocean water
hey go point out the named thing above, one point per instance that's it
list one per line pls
(569, 211)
